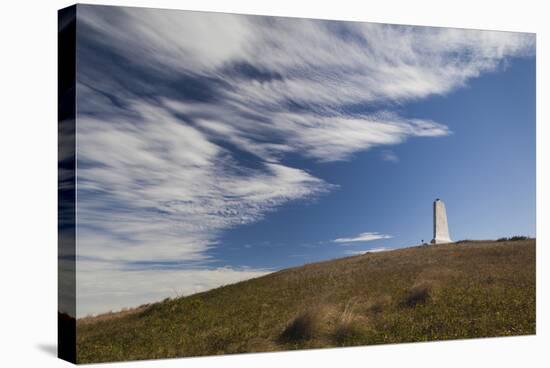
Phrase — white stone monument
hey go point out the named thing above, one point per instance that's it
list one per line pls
(441, 228)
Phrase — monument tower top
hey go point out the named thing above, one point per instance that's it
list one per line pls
(441, 227)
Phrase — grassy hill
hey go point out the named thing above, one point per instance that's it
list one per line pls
(436, 292)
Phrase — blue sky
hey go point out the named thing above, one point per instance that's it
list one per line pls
(214, 147)
(484, 170)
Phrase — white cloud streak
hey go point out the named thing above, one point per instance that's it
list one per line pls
(363, 237)
(166, 98)
(389, 156)
(103, 287)
(168, 189)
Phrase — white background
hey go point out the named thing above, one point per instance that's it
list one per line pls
(28, 182)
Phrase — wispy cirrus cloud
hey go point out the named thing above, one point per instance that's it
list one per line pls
(185, 120)
(169, 190)
(388, 155)
(363, 237)
(103, 287)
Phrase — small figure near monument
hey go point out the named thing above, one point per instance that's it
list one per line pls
(441, 227)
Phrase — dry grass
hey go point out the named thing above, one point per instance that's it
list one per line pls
(112, 315)
(305, 326)
(351, 328)
(377, 305)
(418, 294)
(435, 292)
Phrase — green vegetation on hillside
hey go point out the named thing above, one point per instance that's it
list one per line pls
(431, 292)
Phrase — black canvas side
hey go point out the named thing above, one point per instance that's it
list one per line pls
(66, 97)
